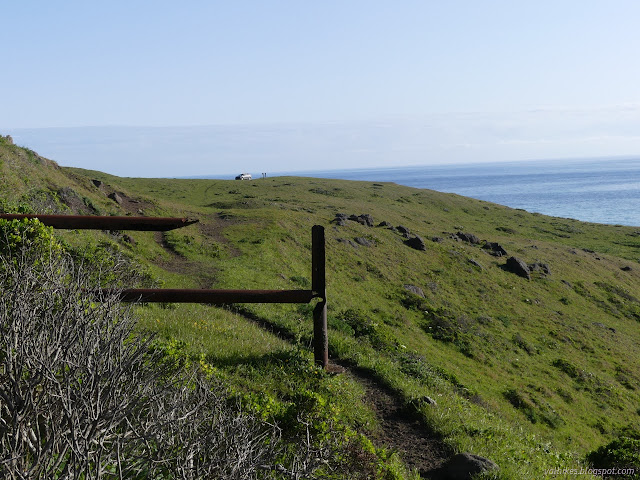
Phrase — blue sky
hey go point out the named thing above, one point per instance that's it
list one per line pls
(206, 87)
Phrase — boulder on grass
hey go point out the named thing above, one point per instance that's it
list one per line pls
(116, 198)
(540, 267)
(403, 230)
(413, 289)
(517, 266)
(495, 249)
(464, 466)
(468, 237)
(416, 243)
(364, 219)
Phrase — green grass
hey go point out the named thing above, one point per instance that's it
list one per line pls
(533, 374)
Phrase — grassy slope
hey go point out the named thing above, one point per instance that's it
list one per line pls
(531, 373)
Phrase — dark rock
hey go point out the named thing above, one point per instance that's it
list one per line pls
(365, 242)
(437, 239)
(97, 183)
(402, 229)
(517, 266)
(341, 219)
(364, 219)
(385, 224)
(416, 243)
(8, 139)
(75, 202)
(468, 237)
(116, 198)
(495, 249)
(540, 267)
(413, 289)
(626, 268)
(464, 465)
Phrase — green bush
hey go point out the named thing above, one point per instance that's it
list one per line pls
(623, 452)
(520, 403)
(27, 237)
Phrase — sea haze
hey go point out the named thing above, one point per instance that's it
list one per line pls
(605, 190)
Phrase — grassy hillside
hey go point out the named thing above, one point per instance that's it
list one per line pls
(532, 373)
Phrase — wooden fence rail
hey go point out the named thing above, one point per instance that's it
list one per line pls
(214, 297)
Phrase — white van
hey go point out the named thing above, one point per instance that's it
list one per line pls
(244, 176)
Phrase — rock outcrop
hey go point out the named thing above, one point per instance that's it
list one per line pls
(364, 219)
(413, 289)
(341, 219)
(517, 266)
(468, 237)
(116, 198)
(416, 243)
(403, 230)
(540, 267)
(463, 466)
(495, 249)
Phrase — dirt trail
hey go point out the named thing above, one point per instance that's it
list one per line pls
(178, 264)
(402, 430)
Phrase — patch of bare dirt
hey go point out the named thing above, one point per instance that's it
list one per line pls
(401, 429)
(177, 264)
(74, 202)
(130, 205)
(213, 228)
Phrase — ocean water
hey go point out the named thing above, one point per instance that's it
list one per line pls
(603, 190)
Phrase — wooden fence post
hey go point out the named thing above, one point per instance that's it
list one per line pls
(318, 287)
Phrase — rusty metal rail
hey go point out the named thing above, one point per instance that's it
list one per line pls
(213, 297)
(92, 222)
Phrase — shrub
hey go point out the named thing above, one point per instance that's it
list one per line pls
(82, 395)
(520, 403)
(621, 453)
(27, 237)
